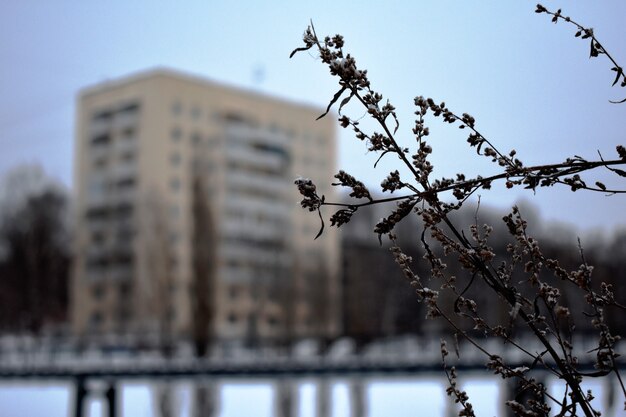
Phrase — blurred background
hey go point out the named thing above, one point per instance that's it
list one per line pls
(147, 205)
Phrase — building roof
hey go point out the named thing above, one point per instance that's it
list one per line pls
(191, 78)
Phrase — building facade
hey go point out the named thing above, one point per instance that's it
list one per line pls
(187, 220)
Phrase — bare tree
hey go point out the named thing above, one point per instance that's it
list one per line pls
(204, 270)
(203, 293)
(34, 255)
(155, 292)
(156, 289)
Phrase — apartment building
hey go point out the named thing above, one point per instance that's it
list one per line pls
(187, 220)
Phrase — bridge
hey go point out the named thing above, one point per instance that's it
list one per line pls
(90, 371)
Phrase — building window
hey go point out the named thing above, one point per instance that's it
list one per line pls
(97, 213)
(123, 315)
(274, 128)
(128, 157)
(130, 108)
(100, 140)
(104, 116)
(96, 188)
(175, 184)
(176, 134)
(124, 289)
(195, 113)
(177, 108)
(100, 163)
(233, 292)
(128, 133)
(95, 320)
(126, 183)
(98, 238)
(234, 117)
(198, 164)
(196, 139)
(175, 211)
(98, 292)
(213, 141)
(175, 159)
(174, 264)
(124, 210)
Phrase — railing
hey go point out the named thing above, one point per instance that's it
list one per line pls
(248, 134)
(408, 357)
(253, 158)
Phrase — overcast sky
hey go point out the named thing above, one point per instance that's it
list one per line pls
(529, 83)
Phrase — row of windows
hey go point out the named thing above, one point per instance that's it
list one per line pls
(261, 170)
(252, 243)
(113, 258)
(254, 192)
(101, 161)
(119, 236)
(107, 114)
(128, 134)
(99, 290)
(194, 112)
(233, 117)
(198, 165)
(269, 218)
(309, 161)
(122, 316)
(121, 211)
(314, 140)
(176, 184)
(101, 191)
(195, 138)
(271, 149)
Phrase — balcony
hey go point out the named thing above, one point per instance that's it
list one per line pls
(97, 212)
(123, 171)
(96, 274)
(254, 230)
(125, 120)
(121, 273)
(126, 145)
(96, 254)
(121, 250)
(99, 127)
(278, 186)
(97, 226)
(247, 156)
(235, 275)
(255, 256)
(123, 196)
(97, 201)
(254, 207)
(248, 134)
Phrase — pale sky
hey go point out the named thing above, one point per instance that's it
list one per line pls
(529, 83)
